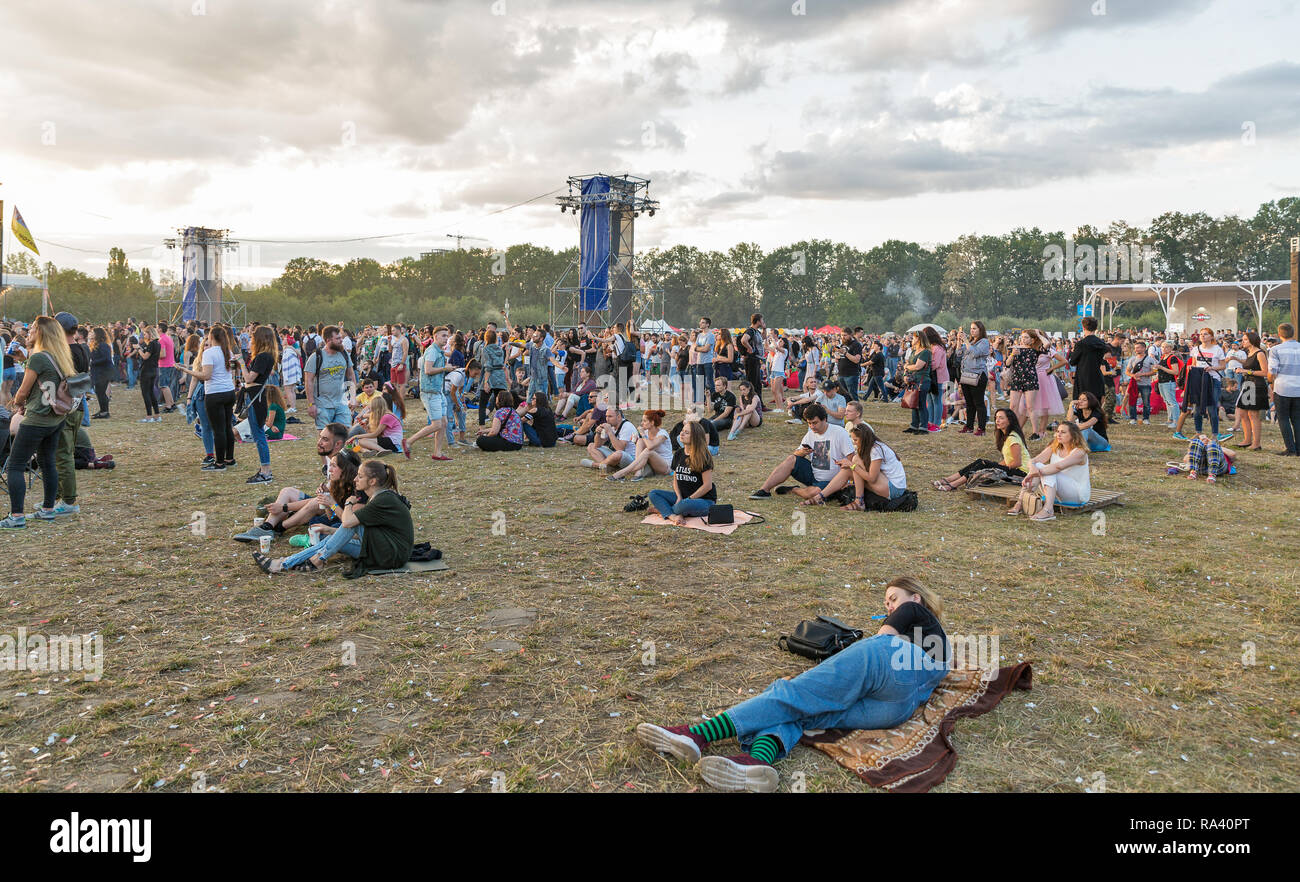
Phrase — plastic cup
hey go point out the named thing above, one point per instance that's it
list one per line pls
(314, 533)
(265, 542)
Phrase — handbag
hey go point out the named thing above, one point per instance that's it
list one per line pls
(70, 391)
(911, 398)
(970, 378)
(721, 514)
(819, 638)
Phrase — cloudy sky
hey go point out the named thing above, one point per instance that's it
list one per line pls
(755, 120)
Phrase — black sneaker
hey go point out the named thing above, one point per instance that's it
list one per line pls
(213, 467)
(760, 494)
(260, 478)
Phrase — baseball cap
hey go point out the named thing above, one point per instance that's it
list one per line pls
(67, 320)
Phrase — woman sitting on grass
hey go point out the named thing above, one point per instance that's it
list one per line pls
(747, 413)
(693, 492)
(383, 429)
(1090, 417)
(375, 528)
(539, 421)
(875, 683)
(654, 450)
(507, 431)
(874, 467)
(1010, 440)
(294, 508)
(1060, 471)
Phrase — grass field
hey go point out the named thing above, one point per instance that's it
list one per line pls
(215, 670)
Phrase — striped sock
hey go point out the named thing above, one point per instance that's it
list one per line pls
(765, 748)
(719, 728)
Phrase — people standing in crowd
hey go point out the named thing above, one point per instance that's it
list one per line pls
(918, 379)
(102, 370)
(166, 367)
(776, 374)
(256, 377)
(329, 381)
(975, 378)
(1141, 369)
(147, 350)
(493, 360)
(751, 344)
(1284, 374)
(849, 365)
(216, 372)
(724, 358)
(705, 347)
(1169, 379)
(1253, 400)
(1086, 359)
(1206, 360)
(1024, 381)
(49, 363)
(66, 456)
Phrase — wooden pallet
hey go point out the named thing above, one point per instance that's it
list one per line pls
(1099, 498)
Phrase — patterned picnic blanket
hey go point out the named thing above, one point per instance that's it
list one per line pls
(917, 755)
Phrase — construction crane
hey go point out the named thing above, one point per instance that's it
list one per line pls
(459, 238)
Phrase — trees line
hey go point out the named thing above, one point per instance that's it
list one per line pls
(805, 284)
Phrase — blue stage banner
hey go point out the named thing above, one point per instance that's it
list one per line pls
(593, 269)
(191, 268)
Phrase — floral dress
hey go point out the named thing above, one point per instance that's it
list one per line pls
(1024, 370)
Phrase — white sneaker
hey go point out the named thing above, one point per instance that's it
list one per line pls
(1146, 422)
(1132, 422)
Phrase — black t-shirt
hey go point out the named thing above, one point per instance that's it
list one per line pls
(544, 426)
(722, 402)
(914, 622)
(878, 364)
(149, 363)
(1099, 427)
(262, 365)
(707, 425)
(80, 356)
(688, 482)
(846, 367)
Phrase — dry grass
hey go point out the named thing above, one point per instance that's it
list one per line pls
(1136, 635)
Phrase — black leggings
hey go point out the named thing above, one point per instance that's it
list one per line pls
(221, 416)
(147, 383)
(976, 403)
(981, 464)
(496, 444)
(44, 442)
(484, 397)
(101, 391)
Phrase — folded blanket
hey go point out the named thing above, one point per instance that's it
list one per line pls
(917, 755)
(742, 517)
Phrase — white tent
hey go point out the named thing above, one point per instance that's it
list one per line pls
(656, 326)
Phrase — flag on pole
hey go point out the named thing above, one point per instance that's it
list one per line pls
(21, 232)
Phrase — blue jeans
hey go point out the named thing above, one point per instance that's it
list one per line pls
(1167, 392)
(130, 374)
(1210, 391)
(1096, 443)
(919, 413)
(455, 421)
(666, 503)
(935, 413)
(85, 411)
(706, 371)
(1143, 403)
(259, 437)
(344, 539)
(876, 683)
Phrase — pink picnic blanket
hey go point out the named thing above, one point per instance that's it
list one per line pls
(742, 517)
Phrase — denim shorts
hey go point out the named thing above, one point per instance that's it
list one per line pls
(803, 473)
(895, 491)
(435, 404)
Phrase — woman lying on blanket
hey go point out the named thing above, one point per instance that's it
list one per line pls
(1010, 441)
(873, 467)
(1206, 457)
(294, 508)
(693, 491)
(876, 683)
(375, 529)
(1060, 472)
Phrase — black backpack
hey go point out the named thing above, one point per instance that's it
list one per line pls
(906, 502)
(819, 638)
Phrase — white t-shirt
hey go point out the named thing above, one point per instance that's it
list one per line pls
(660, 445)
(221, 380)
(890, 466)
(1204, 356)
(827, 450)
(629, 432)
(1235, 359)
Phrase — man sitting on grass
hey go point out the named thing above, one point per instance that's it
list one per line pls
(614, 443)
(292, 507)
(814, 463)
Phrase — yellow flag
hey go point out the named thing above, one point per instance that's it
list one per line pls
(21, 233)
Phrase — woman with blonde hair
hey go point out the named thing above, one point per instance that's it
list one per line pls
(1059, 474)
(215, 368)
(384, 430)
(875, 683)
(48, 365)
